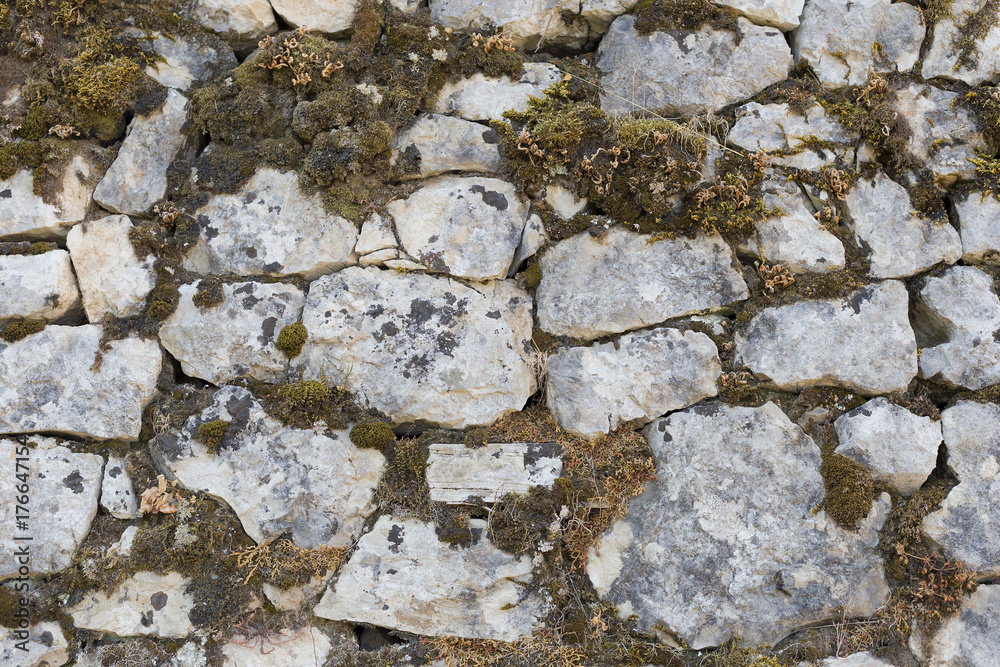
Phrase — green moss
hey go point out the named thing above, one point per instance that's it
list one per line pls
(210, 434)
(18, 329)
(935, 11)
(16, 155)
(209, 293)
(36, 124)
(373, 435)
(868, 111)
(519, 522)
(903, 529)
(659, 15)
(403, 488)
(9, 605)
(850, 489)
(305, 403)
(533, 274)
(975, 28)
(472, 58)
(41, 247)
(477, 437)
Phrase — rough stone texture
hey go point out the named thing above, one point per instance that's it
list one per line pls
(26, 215)
(480, 98)
(593, 287)
(564, 202)
(376, 234)
(38, 287)
(965, 526)
(137, 178)
(117, 495)
(270, 227)
(144, 604)
(400, 573)
(46, 646)
(237, 336)
(943, 58)
(795, 239)
(979, 225)
(781, 14)
(62, 503)
(239, 21)
(854, 660)
(592, 390)
(687, 72)
(422, 348)
(327, 16)
(468, 227)
(187, 61)
(457, 472)
(113, 280)
(312, 483)
(775, 128)
(835, 37)
(48, 382)
(295, 597)
(533, 238)
(863, 342)
(958, 317)
(969, 639)
(902, 244)
(440, 144)
(726, 540)
(305, 647)
(895, 444)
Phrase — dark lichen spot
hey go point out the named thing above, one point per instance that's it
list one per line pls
(395, 538)
(74, 482)
(158, 600)
(491, 197)
(209, 293)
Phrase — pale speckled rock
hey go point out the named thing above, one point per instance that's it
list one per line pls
(863, 342)
(437, 144)
(592, 390)
(376, 234)
(144, 604)
(38, 287)
(296, 597)
(958, 316)
(726, 541)
(533, 238)
(113, 279)
(795, 239)
(64, 487)
(305, 647)
(189, 60)
(775, 128)
(456, 472)
(312, 483)
(969, 639)
(137, 178)
(781, 14)
(563, 201)
(480, 98)
(117, 495)
(592, 287)
(235, 337)
(965, 526)
(902, 243)
(943, 59)
(26, 215)
(687, 72)
(979, 225)
(239, 21)
(896, 445)
(400, 570)
(468, 227)
(864, 659)
(270, 227)
(422, 348)
(48, 382)
(327, 16)
(46, 644)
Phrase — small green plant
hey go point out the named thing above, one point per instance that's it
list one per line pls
(373, 435)
(19, 329)
(209, 293)
(210, 434)
(291, 338)
(850, 489)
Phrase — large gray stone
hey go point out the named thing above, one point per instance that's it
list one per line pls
(786, 135)
(144, 604)
(25, 214)
(969, 639)
(190, 60)
(864, 659)
(781, 14)
(794, 238)
(439, 144)
(456, 472)
(38, 287)
(46, 646)
(303, 647)
(480, 98)
(727, 541)
(943, 59)
(239, 21)
(327, 16)
(979, 225)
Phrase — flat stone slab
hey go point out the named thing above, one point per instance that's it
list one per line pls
(38, 287)
(456, 472)
(27, 215)
(46, 645)
(969, 639)
(794, 238)
(781, 14)
(144, 604)
(240, 21)
(305, 647)
(190, 60)
(785, 135)
(437, 144)
(979, 225)
(328, 16)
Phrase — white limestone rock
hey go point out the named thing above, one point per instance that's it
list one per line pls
(563, 201)
(726, 542)
(400, 570)
(46, 646)
(784, 135)
(480, 98)
(235, 337)
(296, 597)
(332, 17)
(437, 144)
(863, 659)
(26, 215)
(376, 234)
(239, 21)
(113, 279)
(38, 287)
(189, 60)
(117, 495)
(50, 381)
(794, 238)
(979, 225)
(304, 647)
(533, 238)
(592, 390)
(456, 472)
(781, 14)
(593, 287)
(144, 604)
(863, 342)
(969, 639)
(270, 227)
(945, 57)
(62, 503)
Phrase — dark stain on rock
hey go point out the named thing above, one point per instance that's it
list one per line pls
(446, 344)
(114, 472)
(267, 329)
(158, 600)
(271, 267)
(863, 295)
(491, 197)
(421, 311)
(491, 137)
(395, 538)
(388, 330)
(433, 239)
(74, 482)
(707, 409)
(373, 311)
(146, 619)
(996, 335)
(250, 302)
(6, 194)
(251, 252)
(493, 314)
(245, 289)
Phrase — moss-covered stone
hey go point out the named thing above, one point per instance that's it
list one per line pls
(209, 293)
(18, 329)
(850, 489)
(373, 435)
(659, 15)
(291, 338)
(210, 434)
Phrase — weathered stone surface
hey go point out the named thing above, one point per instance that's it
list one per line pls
(64, 487)
(468, 227)
(240, 21)
(437, 144)
(421, 348)
(376, 234)
(312, 483)
(27, 215)
(270, 227)
(295, 597)
(593, 287)
(726, 540)
(117, 495)
(794, 238)
(113, 279)
(137, 178)
(881, 215)
(328, 16)
(564, 203)
(979, 225)
(969, 639)
(457, 472)
(480, 98)
(189, 60)
(687, 72)
(863, 342)
(38, 287)
(835, 37)
(305, 647)
(533, 238)
(958, 315)
(965, 526)
(864, 659)
(896, 445)
(592, 390)
(237, 336)
(144, 604)
(400, 571)
(950, 59)
(48, 382)
(775, 128)
(781, 14)
(46, 644)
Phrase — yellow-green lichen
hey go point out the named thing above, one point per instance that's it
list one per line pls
(210, 434)
(373, 435)
(18, 329)
(209, 293)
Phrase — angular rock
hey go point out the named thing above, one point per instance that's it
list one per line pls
(727, 541)
(376, 234)
(62, 503)
(421, 348)
(786, 135)
(794, 238)
(380, 257)
(189, 60)
(296, 597)
(468, 227)
(950, 58)
(687, 72)
(38, 287)
(239, 21)
(312, 483)
(50, 381)
(864, 659)
(137, 178)
(781, 14)
(594, 287)
(437, 144)
(480, 98)
(896, 445)
(49, 215)
(235, 337)
(564, 203)
(400, 570)
(117, 495)
(270, 227)
(46, 646)
(327, 16)
(305, 647)
(863, 342)
(958, 317)
(965, 526)
(456, 472)
(979, 225)
(969, 639)
(144, 604)
(902, 244)
(533, 238)
(113, 279)
(592, 390)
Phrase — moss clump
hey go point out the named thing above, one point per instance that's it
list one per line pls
(977, 25)
(519, 522)
(659, 15)
(16, 155)
(209, 293)
(9, 604)
(305, 403)
(41, 247)
(210, 434)
(19, 329)
(868, 111)
(473, 57)
(403, 489)
(850, 489)
(291, 338)
(373, 435)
